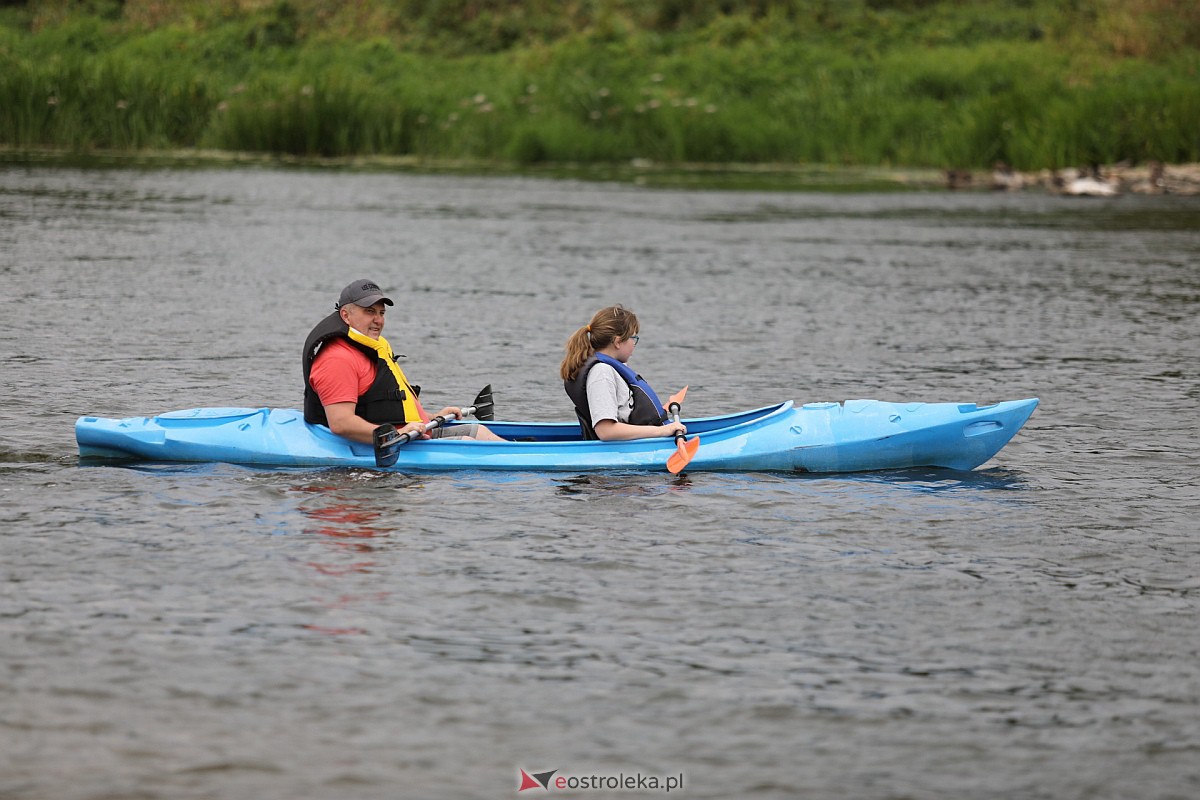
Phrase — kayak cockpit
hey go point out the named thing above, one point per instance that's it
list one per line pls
(570, 432)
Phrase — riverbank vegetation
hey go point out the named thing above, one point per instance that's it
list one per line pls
(1037, 84)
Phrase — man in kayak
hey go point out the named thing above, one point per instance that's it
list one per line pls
(352, 383)
(611, 400)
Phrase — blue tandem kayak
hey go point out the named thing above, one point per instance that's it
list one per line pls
(851, 436)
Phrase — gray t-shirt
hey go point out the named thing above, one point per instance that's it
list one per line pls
(608, 394)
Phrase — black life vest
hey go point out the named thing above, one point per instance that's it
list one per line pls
(384, 400)
(647, 409)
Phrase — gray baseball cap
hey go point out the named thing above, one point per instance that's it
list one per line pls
(363, 293)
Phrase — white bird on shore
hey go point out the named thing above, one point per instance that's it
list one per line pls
(1089, 184)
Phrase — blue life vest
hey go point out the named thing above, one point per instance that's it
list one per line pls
(647, 408)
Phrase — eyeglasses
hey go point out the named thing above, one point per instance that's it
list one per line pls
(635, 338)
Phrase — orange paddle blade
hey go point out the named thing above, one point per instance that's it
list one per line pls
(683, 455)
(676, 398)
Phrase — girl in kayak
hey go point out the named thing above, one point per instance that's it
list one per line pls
(611, 400)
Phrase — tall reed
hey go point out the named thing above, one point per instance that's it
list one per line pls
(82, 102)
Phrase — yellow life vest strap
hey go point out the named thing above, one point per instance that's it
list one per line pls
(412, 411)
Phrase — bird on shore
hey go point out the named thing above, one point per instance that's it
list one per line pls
(1088, 183)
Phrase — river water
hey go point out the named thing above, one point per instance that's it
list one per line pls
(1027, 630)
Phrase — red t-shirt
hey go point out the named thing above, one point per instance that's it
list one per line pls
(341, 373)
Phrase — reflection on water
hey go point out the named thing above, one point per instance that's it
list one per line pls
(621, 485)
(942, 480)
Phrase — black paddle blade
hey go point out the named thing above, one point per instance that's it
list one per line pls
(485, 407)
(387, 441)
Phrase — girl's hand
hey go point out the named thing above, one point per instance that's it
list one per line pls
(609, 430)
(671, 428)
(450, 412)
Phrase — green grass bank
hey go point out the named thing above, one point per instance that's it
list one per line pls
(864, 83)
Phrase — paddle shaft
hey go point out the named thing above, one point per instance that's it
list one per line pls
(684, 450)
(436, 422)
(387, 441)
(673, 410)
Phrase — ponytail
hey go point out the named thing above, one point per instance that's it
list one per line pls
(579, 349)
(608, 324)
